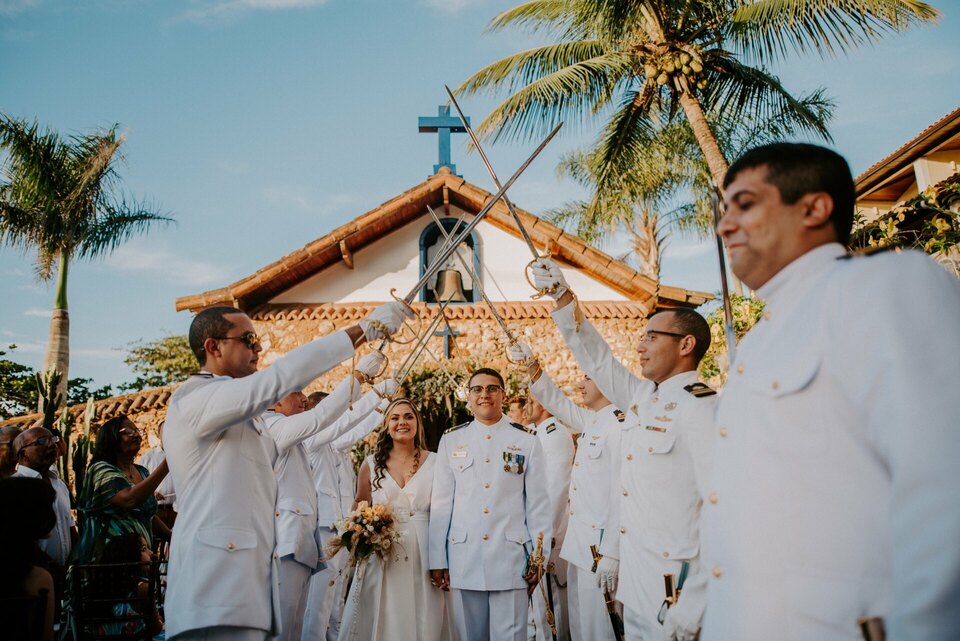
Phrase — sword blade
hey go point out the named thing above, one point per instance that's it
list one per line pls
(493, 175)
(728, 327)
(445, 254)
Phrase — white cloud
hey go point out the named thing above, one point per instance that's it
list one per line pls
(286, 197)
(138, 257)
(38, 312)
(689, 251)
(229, 8)
(451, 6)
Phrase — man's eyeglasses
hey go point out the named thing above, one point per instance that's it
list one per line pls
(651, 334)
(43, 441)
(490, 389)
(250, 339)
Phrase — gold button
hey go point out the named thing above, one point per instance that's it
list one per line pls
(278, 514)
(486, 486)
(713, 499)
(666, 555)
(650, 450)
(716, 571)
(623, 530)
(571, 512)
(766, 316)
(231, 546)
(297, 510)
(723, 432)
(577, 464)
(574, 488)
(485, 537)
(625, 493)
(739, 369)
(593, 525)
(486, 460)
(629, 457)
(489, 437)
(775, 385)
(486, 510)
(332, 582)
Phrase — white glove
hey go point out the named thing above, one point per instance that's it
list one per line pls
(383, 405)
(547, 276)
(607, 571)
(678, 625)
(519, 352)
(370, 364)
(385, 320)
(386, 387)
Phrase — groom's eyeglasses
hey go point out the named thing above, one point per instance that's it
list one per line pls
(491, 389)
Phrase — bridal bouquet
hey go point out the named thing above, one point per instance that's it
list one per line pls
(370, 529)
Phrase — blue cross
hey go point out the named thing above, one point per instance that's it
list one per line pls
(447, 335)
(444, 124)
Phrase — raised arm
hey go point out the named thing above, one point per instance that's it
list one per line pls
(287, 431)
(549, 395)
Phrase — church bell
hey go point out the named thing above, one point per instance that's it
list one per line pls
(450, 286)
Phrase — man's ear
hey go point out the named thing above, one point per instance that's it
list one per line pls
(211, 346)
(687, 345)
(819, 208)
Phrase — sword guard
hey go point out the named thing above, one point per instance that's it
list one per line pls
(416, 332)
(541, 291)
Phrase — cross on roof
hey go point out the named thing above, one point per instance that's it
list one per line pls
(444, 124)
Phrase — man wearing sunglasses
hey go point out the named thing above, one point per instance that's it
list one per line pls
(490, 502)
(223, 576)
(664, 458)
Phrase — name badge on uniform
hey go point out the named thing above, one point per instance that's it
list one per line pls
(459, 454)
(513, 462)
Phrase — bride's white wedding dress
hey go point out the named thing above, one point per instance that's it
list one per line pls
(395, 599)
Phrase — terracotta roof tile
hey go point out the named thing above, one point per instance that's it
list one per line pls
(107, 408)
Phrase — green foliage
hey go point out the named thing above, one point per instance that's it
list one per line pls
(160, 362)
(20, 394)
(746, 313)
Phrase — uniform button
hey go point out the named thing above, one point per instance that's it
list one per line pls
(629, 457)
(574, 488)
(623, 530)
(571, 512)
(716, 571)
(486, 510)
(333, 582)
(577, 464)
(713, 499)
(297, 510)
(231, 547)
(276, 556)
(278, 514)
(775, 385)
(666, 555)
(486, 460)
(625, 493)
(486, 486)
(766, 316)
(593, 525)
(739, 369)
(485, 537)
(723, 432)
(488, 437)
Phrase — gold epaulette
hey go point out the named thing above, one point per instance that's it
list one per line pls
(699, 389)
(620, 415)
(456, 427)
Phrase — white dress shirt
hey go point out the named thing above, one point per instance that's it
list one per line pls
(57, 544)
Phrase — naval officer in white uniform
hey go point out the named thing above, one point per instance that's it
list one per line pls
(663, 463)
(598, 423)
(490, 502)
(837, 440)
(223, 575)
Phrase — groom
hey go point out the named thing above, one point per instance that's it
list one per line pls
(489, 503)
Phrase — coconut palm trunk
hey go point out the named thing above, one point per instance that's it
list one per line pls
(57, 357)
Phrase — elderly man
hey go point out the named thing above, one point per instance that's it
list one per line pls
(834, 494)
(663, 463)
(8, 455)
(36, 452)
(223, 574)
(490, 503)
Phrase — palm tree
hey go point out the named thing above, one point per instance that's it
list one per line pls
(58, 197)
(635, 59)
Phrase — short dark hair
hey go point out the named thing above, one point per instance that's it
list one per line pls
(519, 400)
(209, 323)
(314, 398)
(691, 323)
(796, 169)
(108, 440)
(489, 372)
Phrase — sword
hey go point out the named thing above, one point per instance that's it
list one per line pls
(724, 287)
(872, 628)
(550, 606)
(615, 619)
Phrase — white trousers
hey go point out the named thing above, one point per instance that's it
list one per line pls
(294, 581)
(538, 628)
(640, 628)
(325, 598)
(222, 633)
(589, 619)
(500, 615)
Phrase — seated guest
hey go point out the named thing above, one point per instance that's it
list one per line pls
(132, 582)
(8, 456)
(26, 506)
(117, 494)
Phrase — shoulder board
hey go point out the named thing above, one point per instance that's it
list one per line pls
(699, 389)
(523, 428)
(868, 251)
(620, 415)
(551, 427)
(456, 427)
(203, 375)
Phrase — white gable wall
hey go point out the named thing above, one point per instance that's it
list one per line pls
(393, 262)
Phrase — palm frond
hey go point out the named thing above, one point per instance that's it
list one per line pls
(535, 16)
(117, 223)
(773, 28)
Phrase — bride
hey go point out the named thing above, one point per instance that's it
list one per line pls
(394, 599)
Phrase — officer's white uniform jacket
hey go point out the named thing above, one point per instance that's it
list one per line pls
(837, 444)
(663, 460)
(222, 564)
(151, 459)
(557, 444)
(483, 518)
(591, 475)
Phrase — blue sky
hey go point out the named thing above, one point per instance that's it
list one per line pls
(262, 124)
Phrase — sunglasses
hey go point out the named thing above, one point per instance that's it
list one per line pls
(250, 339)
(43, 441)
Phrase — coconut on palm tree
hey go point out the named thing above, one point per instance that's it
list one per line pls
(635, 58)
(60, 198)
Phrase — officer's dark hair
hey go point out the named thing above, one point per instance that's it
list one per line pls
(210, 323)
(796, 169)
(314, 398)
(690, 323)
(489, 372)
